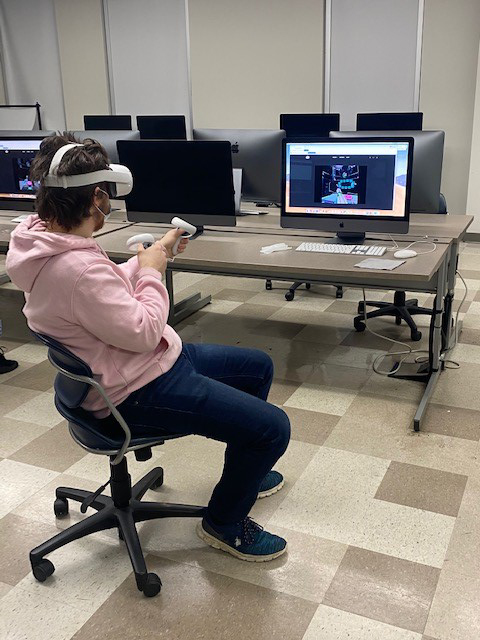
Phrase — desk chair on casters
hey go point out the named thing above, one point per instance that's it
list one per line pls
(400, 308)
(109, 437)
(290, 295)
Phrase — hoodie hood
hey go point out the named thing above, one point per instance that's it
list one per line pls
(31, 246)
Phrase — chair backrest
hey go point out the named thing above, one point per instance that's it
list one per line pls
(71, 392)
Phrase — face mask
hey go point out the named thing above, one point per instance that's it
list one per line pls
(105, 215)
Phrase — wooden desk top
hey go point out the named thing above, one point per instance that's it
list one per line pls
(231, 253)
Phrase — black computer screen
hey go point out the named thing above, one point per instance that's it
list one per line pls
(162, 127)
(107, 123)
(298, 125)
(179, 177)
(406, 121)
(16, 156)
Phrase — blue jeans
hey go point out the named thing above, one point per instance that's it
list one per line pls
(219, 392)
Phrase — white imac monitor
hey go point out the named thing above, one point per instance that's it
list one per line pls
(348, 186)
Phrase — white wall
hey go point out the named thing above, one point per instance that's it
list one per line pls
(148, 46)
(447, 91)
(473, 200)
(82, 57)
(254, 59)
(373, 57)
(31, 58)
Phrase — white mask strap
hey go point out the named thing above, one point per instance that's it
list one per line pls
(57, 158)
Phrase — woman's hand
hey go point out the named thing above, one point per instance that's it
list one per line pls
(169, 239)
(154, 257)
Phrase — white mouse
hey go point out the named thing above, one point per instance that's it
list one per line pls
(405, 253)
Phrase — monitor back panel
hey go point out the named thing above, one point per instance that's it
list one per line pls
(299, 125)
(98, 123)
(162, 127)
(108, 139)
(404, 121)
(258, 152)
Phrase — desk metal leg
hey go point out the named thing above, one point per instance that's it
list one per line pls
(451, 281)
(184, 308)
(436, 354)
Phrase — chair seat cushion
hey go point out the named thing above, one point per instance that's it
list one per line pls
(105, 434)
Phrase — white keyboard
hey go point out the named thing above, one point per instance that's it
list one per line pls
(352, 249)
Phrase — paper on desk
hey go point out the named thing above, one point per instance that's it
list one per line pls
(21, 218)
(379, 263)
(280, 246)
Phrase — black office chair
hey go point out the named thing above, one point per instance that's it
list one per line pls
(109, 437)
(290, 295)
(400, 308)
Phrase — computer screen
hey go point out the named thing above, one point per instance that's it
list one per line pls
(162, 127)
(405, 121)
(17, 191)
(347, 185)
(426, 168)
(107, 123)
(311, 125)
(193, 180)
(258, 152)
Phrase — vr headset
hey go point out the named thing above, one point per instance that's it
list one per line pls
(118, 177)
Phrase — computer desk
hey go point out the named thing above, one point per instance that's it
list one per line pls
(232, 253)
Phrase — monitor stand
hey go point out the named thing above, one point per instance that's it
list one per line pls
(348, 237)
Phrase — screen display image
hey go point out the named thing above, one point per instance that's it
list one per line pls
(15, 159)
(340, 184)
(351, 178)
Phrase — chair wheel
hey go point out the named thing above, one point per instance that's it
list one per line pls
(339, 294)
(43, 570)
(416, 336)
(398, 321)
(308, 285)
(268, 285)
(60, 507)
(152, 585)
(289, 296)
(359, 326)
(158, 482)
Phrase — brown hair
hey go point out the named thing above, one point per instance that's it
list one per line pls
(67, 207)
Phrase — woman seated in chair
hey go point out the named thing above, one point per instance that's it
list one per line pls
(114, 317)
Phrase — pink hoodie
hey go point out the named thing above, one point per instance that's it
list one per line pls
(114, 317)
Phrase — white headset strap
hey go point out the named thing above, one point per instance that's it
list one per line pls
(57, 158)
(85, 179)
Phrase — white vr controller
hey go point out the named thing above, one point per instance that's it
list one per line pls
(147, 239)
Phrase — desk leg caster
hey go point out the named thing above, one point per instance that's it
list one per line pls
(339, 292)
(268, 285)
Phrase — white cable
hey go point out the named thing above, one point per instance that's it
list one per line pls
(409, 351)
(411, 245)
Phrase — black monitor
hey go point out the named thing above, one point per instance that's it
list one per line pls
(350, 186)
(17, 191)
(427, 165)
(193, 180)
(162, 127)
(405, 121)
(108, 139)
(258, 152)
(309, 125)
(97, 123)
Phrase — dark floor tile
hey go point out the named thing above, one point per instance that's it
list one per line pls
(384, 588)
(311, 426)
(452, 421)
(195, 604)
(40, 377)
(422, 488)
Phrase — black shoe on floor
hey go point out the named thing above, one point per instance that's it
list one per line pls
(6, 365)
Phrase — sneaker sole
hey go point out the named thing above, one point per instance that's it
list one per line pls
(270, 492)
(218, 544)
